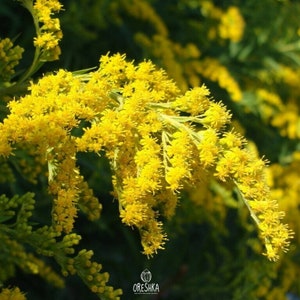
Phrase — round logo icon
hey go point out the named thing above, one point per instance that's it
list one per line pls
(146, 275)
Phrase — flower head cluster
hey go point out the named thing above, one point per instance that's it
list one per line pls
(156, 139)
(9, 58)
(48, 28)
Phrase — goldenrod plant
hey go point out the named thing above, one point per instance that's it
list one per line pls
(146, 141)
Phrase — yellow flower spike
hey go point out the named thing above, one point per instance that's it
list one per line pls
(276, 235)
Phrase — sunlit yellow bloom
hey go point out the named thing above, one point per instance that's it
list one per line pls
(156, 139)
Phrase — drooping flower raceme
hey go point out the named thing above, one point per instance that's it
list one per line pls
(156, 139)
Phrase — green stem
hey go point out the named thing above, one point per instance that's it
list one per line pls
(36, 63)
(175, 122)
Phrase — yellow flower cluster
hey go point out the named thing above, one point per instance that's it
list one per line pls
(47, 27)
(9, 58)
(53, 118)
(49, 34)
(232, 24)
(14, 293)
(156, 139)
(249, 176)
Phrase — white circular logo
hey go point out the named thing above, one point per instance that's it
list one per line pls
(146, 275)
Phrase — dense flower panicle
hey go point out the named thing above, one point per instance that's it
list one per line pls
(157, 141)
(280, 114)
(269, 103)
(249, 174)
(278, 105)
